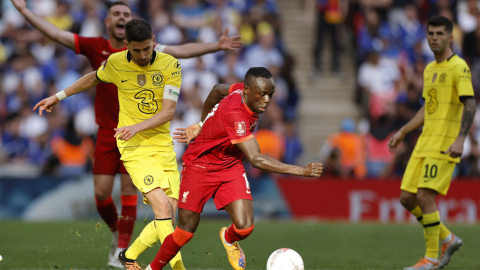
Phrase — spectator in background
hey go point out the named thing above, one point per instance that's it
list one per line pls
(345, 152)
(375, 35)
(74, 150)
(264, 53)
(329, 19)
(293, 144)
(189, 16)
(410, 31)
(378, 78)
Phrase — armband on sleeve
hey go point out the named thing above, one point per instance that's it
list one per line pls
(171, 92)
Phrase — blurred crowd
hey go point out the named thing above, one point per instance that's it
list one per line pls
(61, 143)
(391, 52)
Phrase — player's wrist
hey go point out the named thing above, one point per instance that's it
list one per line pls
(61, 95)
(200, 124)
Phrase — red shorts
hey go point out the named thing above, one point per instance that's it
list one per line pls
(106, 158)
(197, 187)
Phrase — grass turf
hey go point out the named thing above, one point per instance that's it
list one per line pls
(80, 245)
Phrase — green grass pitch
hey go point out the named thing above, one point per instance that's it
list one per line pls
(80, 245)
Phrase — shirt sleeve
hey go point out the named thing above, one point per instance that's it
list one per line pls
(463, 80)
(236, 123)
(105, 72)
(174, 73)
(83, 45)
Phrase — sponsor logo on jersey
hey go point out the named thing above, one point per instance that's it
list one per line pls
(434, 77)
(157, 79)
(240, 128)
(141, 79)
(105, 52)
(466, 70)
(177, 65)
(148, 180)
(185, 194)
(176, 73)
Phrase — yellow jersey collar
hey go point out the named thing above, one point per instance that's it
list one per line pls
(154, 55)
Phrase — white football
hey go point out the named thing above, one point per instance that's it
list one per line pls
(285, 259)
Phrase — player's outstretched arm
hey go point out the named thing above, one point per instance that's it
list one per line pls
(186, 135)
(65, 38)
(197, 49)
(469, 109)
(165, 115)
(413, 124)
(251, 149)
(84, 83)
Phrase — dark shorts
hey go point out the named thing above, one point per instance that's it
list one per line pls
(225, 187)
(106, 158)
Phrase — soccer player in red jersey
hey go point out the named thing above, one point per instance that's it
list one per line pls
(106, 156)
(213, 165)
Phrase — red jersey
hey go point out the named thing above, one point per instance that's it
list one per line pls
(230, 122)
(97, 50)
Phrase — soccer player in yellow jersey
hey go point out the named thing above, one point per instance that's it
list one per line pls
(448, 94)
(148, 85)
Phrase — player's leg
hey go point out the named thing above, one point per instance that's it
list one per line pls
(128, 216)
(105, 165)
(187, 225)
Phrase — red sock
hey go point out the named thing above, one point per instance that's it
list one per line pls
(170, 247)
(233, 234)
(108, 212)
(127, 221)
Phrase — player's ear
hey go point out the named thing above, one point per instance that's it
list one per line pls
(125, 42)
(153, 39)
(246, 89)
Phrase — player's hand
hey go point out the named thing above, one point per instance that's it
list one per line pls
(229, 43)
(456, 149)
(186, 135)
(46, 104)
(313, 169)
(19, 4)
(126, 133)
(395, 140)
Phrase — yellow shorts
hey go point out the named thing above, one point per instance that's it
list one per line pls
(154, 170)
(428, 173)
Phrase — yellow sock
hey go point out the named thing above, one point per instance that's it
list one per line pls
(431, 231)
(444, 232)
(417, 212)
(164, 228)
(147, 238)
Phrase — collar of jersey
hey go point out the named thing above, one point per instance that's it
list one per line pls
(154, 55)
(246, 107)
(115, 50)
(444, 62)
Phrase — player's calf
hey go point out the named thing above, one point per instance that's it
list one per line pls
(170, 247)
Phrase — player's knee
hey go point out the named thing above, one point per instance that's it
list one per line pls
(162, 209)
(102, 195)
(244, 233)
(407, 201)
(244, 223)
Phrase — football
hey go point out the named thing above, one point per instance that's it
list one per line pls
(285, 259)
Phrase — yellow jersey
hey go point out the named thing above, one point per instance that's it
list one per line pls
(444, 84)
(141, 91)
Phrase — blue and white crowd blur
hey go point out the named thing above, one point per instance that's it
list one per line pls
(32, 67)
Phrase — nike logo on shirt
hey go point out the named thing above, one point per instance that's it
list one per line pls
(106, 53)
(125, 80)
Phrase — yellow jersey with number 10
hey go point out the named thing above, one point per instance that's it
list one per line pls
(444, 84)
(141, 91)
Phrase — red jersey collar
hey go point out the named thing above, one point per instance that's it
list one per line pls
(115, 50)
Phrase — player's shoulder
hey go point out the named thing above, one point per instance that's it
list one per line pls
(97, 42)
(118, 59)
(165, 61)
(459, 64)
(233, 101)
(430, 65)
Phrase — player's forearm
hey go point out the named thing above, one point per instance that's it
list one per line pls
(65, 38)
(84, 83)
(155, 121)
(192, 49)
(469, 110)
(272, 165)
(415, 123)
(218, 92)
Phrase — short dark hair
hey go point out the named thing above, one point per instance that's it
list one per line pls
(118, 3)
(441, 21)
(256, 72)
(138, 30)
